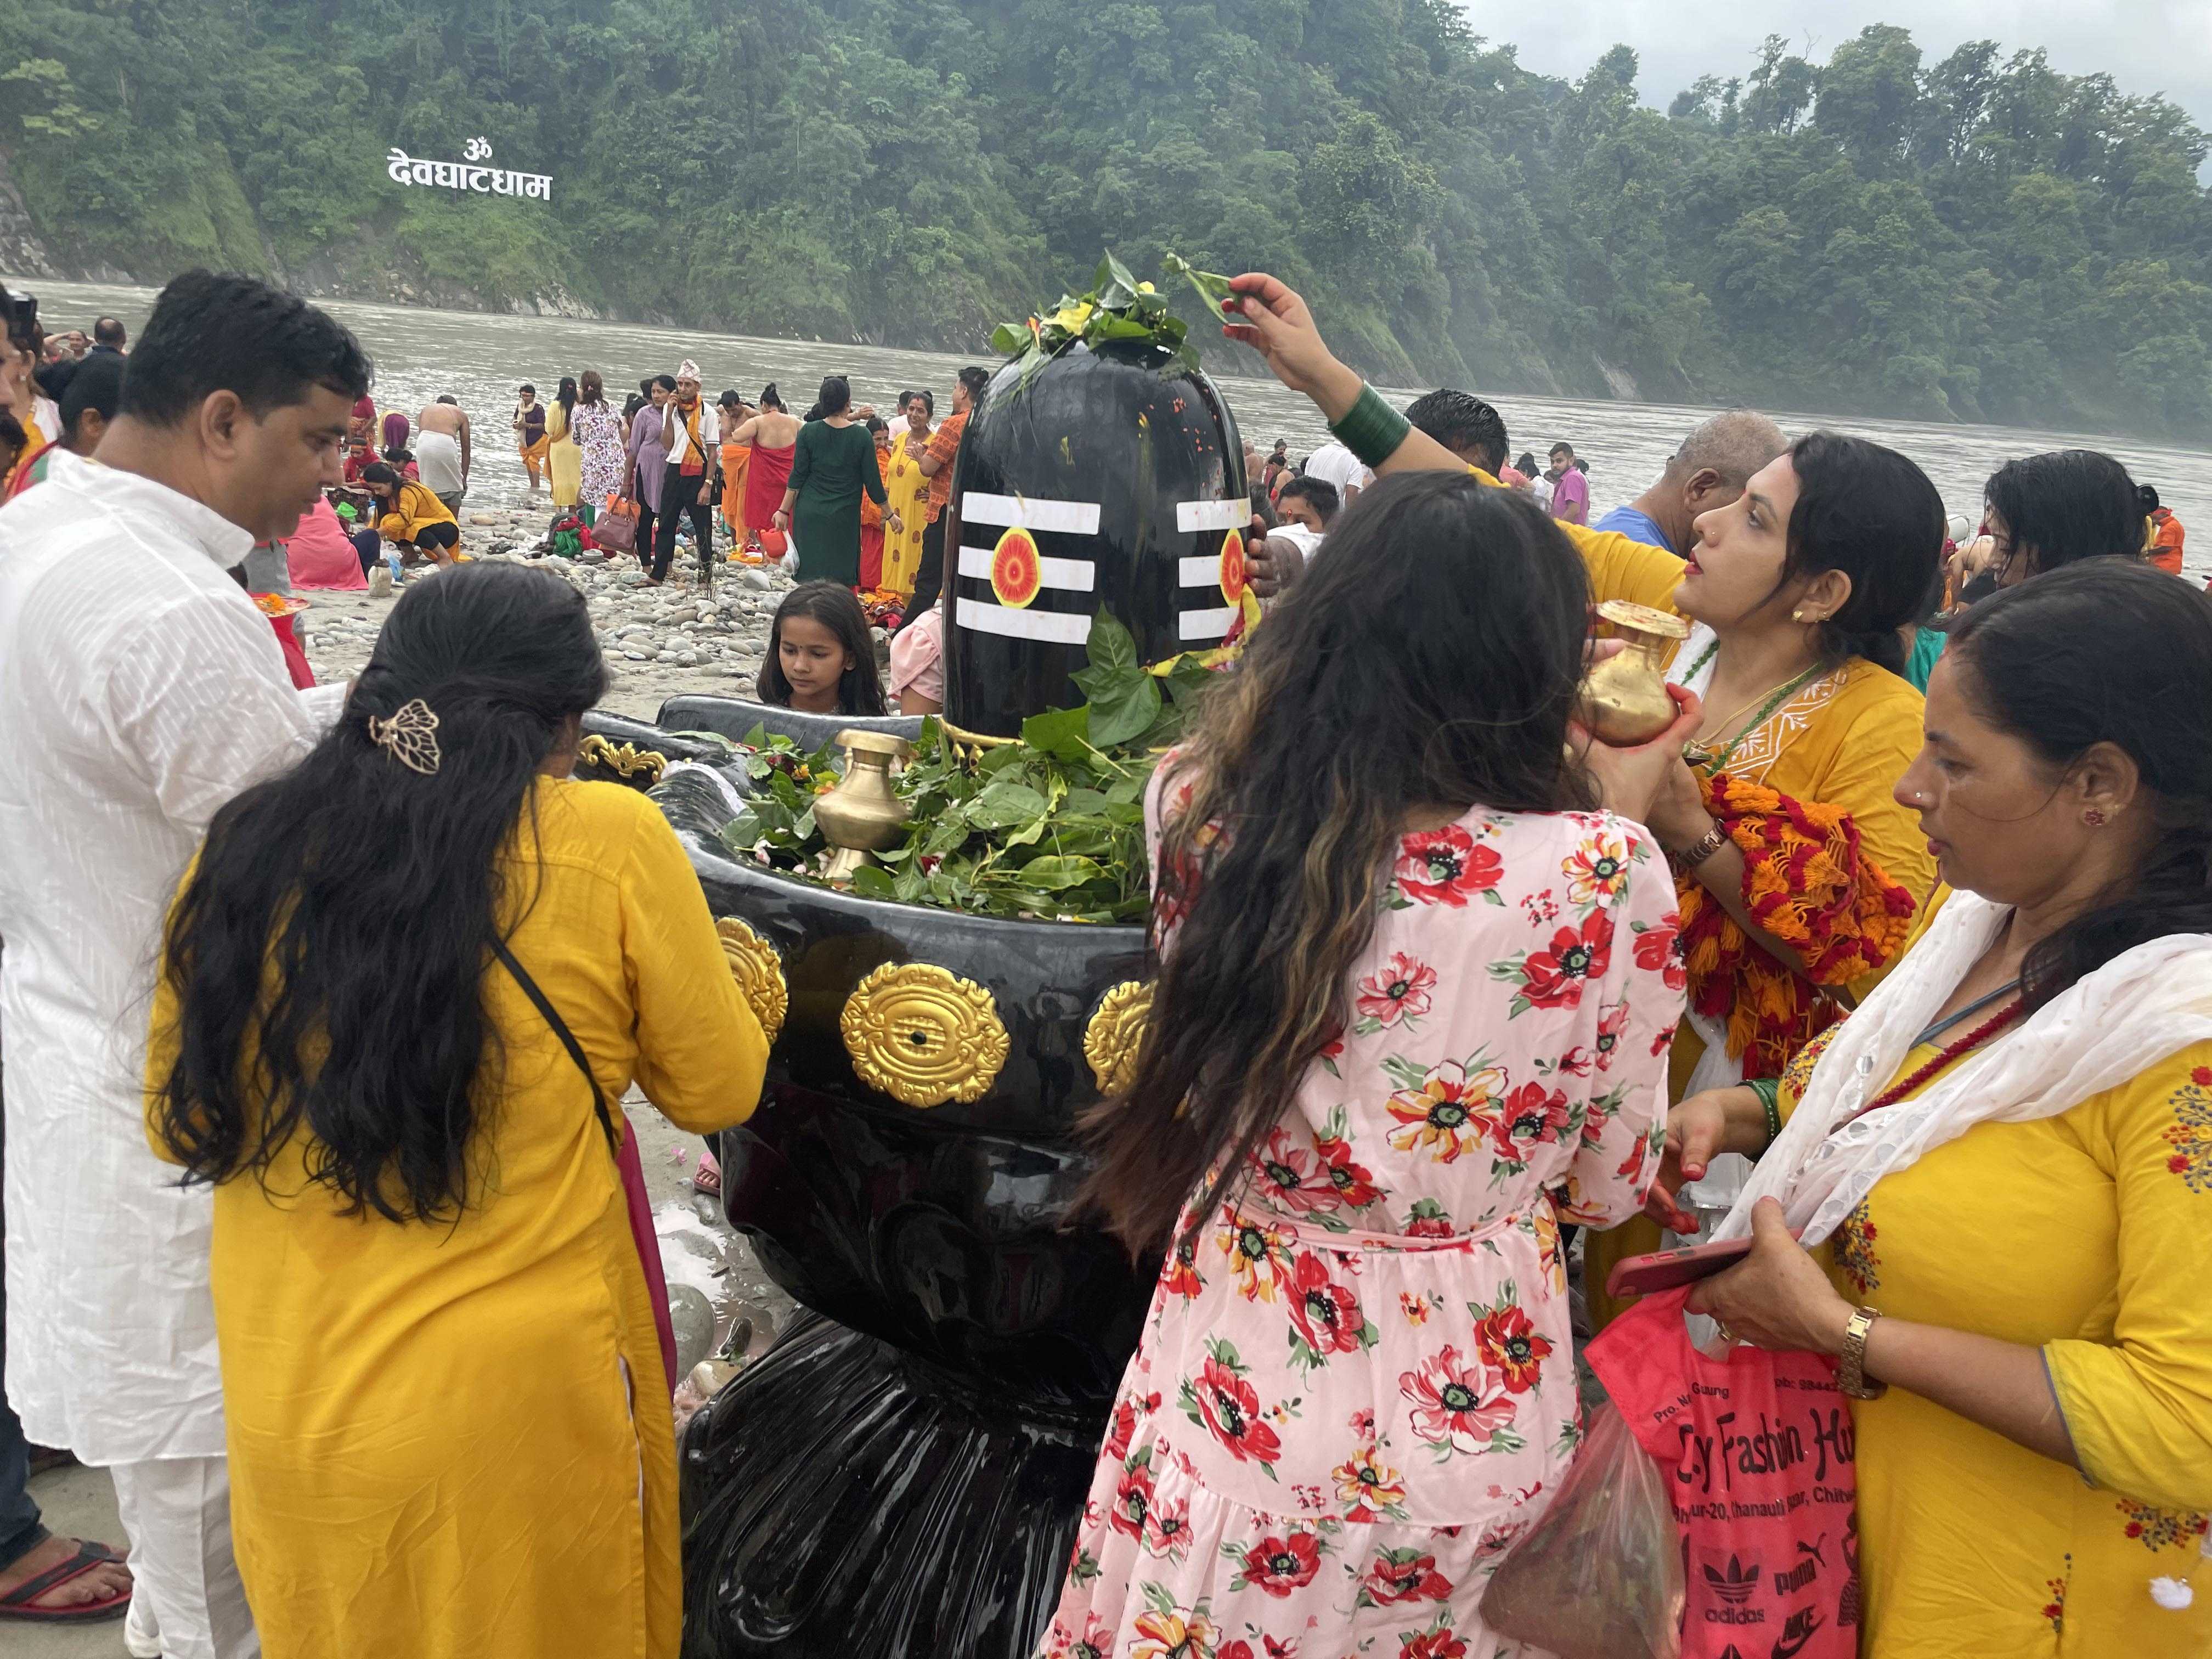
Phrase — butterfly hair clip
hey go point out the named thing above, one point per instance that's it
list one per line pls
(410, 737)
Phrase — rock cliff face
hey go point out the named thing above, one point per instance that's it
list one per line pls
(21, 253)
(26, 253)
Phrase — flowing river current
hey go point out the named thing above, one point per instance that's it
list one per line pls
(481, 357)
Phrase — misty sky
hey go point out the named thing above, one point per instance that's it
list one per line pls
(2146, 45)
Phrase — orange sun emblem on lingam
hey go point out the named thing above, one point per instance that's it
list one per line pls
(1016, 571)
(1232, 566)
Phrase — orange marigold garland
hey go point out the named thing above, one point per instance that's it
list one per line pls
(1806, 881)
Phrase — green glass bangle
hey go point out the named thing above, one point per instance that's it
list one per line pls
(1370, 429)
(1769, 1091)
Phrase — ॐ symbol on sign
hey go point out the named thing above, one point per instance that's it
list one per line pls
(477, 150)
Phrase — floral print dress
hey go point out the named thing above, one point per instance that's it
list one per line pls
(1356, 1387)
(598, 431)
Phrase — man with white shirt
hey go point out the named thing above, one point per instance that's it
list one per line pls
(691, 431)
(1333, 464)
(141, 689)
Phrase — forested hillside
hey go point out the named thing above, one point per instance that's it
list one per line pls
(1978, 237)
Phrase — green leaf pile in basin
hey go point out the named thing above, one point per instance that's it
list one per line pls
(1047, 828)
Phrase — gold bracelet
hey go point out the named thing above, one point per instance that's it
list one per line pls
(1851, 1377)
(1703, 848)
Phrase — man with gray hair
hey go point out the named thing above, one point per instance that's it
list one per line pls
(1709, 471)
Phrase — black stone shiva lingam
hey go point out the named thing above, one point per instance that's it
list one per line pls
(902, 1474)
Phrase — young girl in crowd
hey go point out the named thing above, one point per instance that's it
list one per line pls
(820, 659)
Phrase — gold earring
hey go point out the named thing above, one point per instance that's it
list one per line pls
(1796, 615)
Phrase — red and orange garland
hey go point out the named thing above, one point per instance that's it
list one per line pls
(1808, 882)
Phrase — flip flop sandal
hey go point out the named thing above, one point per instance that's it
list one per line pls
(708, 1178)
(17, 1604)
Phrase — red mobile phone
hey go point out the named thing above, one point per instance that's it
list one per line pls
(1666, 1270)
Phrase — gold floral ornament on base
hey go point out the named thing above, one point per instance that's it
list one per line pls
(759, 974)
(1116, 1031)
(923, 1036)
(624, 760)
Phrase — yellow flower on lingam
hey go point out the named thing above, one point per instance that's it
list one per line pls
(1145, 288)
(1072, 317)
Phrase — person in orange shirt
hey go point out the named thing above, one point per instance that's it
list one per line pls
(2162, 531)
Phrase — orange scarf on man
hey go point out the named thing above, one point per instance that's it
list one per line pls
(695, 458)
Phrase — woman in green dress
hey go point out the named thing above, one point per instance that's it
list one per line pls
(834, 462)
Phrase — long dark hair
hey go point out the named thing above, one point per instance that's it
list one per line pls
(770, 398)
(2065, 505)
(860, 689)
(370, 896)
(2107, 651)
(566, 396)
(1872, 514)
(1432, 658)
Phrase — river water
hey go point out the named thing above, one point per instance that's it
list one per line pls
(480, 358)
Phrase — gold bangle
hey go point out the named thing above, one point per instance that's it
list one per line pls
(1851, 1377)
(1703, 848)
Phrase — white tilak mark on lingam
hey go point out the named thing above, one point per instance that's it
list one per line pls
(1054, 627)
(1204, 624)
(1192, 516)
(1030, 512)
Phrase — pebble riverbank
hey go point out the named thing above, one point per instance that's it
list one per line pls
(659, 641)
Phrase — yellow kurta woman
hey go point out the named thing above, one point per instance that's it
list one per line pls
(1823, 854)
(2091, 1238)
(564, 461)
(449, 1432)
(905, 492)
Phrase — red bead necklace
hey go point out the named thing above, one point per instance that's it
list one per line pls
(1988, 1028)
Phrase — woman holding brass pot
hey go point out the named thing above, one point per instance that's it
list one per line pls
(1799, 877)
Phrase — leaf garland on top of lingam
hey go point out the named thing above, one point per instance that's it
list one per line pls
(1117, 306)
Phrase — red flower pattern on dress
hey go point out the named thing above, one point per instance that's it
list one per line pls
(1281, 1364)
(1355, 1186)
(1132, 1499)
(1659, 950)
(1280, 1566)
(1445, 866)
(1122, 1428)
(1459, 1403)
(1228, 1408)
(1291, 1178)
(1438, 1642)
(1554, 977)
(1398, 992)
(1448, 1114)
(1325, 1314)
(1404, 1575)
(1510, 1344)
(1167, 1528)
(1533, 1116)
(1179, 1275)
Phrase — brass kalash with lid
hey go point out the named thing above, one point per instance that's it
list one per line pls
(903, 1473)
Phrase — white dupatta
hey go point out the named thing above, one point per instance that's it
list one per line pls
(2137, 1009)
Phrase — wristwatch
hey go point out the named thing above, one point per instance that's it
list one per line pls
(1851, 1377)
(1689, 857)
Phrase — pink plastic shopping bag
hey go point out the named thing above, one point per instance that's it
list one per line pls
(1758, 1451)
